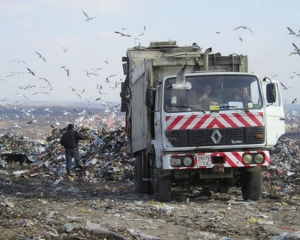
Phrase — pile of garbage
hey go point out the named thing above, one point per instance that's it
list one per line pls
(104, 155)
(284, 170)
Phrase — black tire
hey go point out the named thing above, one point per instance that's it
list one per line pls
(160, 185)
(140, 186)
(251, 184)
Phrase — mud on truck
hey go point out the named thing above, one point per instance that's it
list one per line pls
(177, 140)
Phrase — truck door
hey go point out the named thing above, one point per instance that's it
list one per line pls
(275, 117)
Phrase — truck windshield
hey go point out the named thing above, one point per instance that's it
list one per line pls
(213, 93)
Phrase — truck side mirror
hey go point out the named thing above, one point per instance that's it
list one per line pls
(271, 92)
(149, 98)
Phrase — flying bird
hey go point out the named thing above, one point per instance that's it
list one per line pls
(46, 80)
(123, 34)
(30, 71)
(181, 82)
(143, 32)
(284, 87)
(294, 101)
(90, 73)
(296, 48)
(87, 17)
(19, 61)
(244, 27)
(73, 89)
(22, 95)
(66, 69)
(96, 70)
(99, 98)
(40, 56)
(292, 32)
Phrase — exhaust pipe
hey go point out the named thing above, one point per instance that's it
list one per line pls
(206, 53)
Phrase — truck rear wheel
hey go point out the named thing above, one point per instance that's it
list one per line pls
(251, 184)
(160, 185)
(140, 186)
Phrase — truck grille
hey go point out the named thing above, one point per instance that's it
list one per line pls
(207, 137)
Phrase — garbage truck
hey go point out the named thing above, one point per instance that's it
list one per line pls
(179, 138)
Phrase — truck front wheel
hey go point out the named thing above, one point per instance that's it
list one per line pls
(140, 185)
(251, 184)
(160, 185)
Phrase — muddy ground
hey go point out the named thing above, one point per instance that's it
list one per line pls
(46, 207)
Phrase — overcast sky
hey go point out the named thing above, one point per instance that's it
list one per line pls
(58, 30)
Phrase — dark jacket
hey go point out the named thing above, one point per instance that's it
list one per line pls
(70, 139)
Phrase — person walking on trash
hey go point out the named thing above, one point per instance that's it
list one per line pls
(69, 140)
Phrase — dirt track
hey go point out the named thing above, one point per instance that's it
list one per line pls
(36, 207)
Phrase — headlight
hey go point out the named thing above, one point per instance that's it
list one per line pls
(187, 161)
(247, 158)
(259, 158)
(175, 161)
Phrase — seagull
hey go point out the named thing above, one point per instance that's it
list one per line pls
(296, 48)
(112, 75)
(73, 89)
(30, 71)
(107, 79)
(90, 73)
(244, 27)
(284, 87)
(96, 70)
(116, 84)
(65, 49)
(87, 17)
(143, 32)
(123, 34)
(291, 31)
(21, 95)
(241, 39)
(40, 56)
(181, 82)
(46, 80)
(99, 98)
(79, 95)
(66, 69)
(294, 101)
(19, 61)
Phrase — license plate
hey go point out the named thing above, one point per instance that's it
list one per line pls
(203, 161)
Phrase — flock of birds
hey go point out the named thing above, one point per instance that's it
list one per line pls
(109, 81)
(296, 51)
(93, 72)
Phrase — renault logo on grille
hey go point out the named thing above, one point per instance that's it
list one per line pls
(216, 136)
